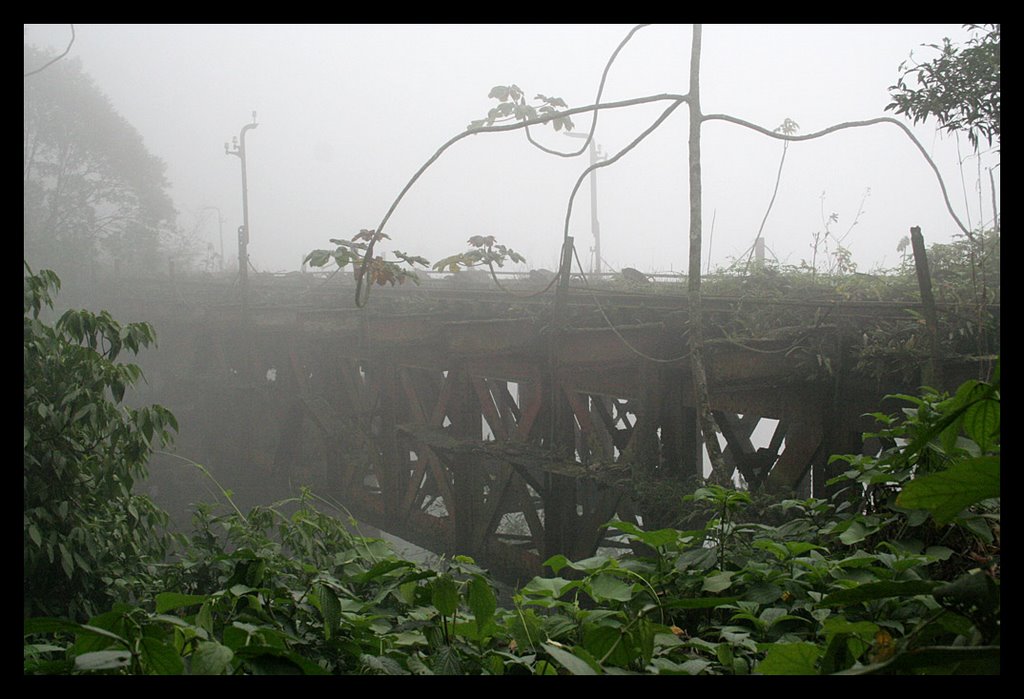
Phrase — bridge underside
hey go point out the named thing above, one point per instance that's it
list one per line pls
(507, 437)
(471, 426)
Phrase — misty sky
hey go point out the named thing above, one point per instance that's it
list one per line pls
(348, 113)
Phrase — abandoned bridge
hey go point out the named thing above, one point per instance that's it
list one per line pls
(510, 424)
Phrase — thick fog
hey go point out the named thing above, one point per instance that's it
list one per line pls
(348, 113)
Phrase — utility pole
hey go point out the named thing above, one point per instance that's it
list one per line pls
(595, 226)
(238, 149)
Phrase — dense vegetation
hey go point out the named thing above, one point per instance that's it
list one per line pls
(899, 573)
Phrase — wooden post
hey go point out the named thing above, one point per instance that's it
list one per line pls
(468, 490)
(720, 473)
(931, 371)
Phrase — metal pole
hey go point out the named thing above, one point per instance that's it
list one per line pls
(243, 230)
(595, 226)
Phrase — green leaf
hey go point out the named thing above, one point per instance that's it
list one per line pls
(840, 625)
(610, 587)
(446, 661)
(103, 660)
(697, 559)
(211, 658)
(49, 625)
(270, 660)
(444, 595)
(556, 563)
(482, 602)
(160, 658)
(33, 533)
(67, 562)
(204, 618)
(526, 628)
(878, 590)
(549, 587)
(790, 659)
(855, 533)
(382, 665)
(718, 582)
(318, 258)
(947, 493)
(570, 662)
(654, 539)
(166, 601)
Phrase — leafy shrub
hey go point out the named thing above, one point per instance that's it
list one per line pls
(89, 540)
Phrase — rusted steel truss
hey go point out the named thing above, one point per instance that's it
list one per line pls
(496, 438)
(491, 431)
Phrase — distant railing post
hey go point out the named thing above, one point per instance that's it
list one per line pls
(931, 373)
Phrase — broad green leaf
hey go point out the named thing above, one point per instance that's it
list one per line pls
(47, 625)
(947, 493)
(777, 549)
(482, 602)
(609, 587)
(837, 625)
(204, 618)
(854, 533)
(718, 582)
(570, 662)
(211, 658)
(790, 659)
(93, 637)
(654, 539)
(67, 562)
(697, 559)
(318, 258)
(166, 601)
(103, 660)
(664, 666)
(160, 658)
(382, 665)
(592, 564)
(446, 661)
(549, 587)
(526, 628)
(879, 590)
(798, 547)
(556, 563)
(270, 660)
(444, 595)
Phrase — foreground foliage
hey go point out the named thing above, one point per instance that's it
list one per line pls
(898, 574)
(88, 538)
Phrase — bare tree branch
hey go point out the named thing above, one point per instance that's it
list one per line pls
(51, 62)
(850, 125)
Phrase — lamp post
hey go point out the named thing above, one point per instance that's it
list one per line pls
(238, 150)
(595, 227)
(220, 230)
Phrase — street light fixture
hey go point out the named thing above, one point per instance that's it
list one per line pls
(238, 150)
(595, 226)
